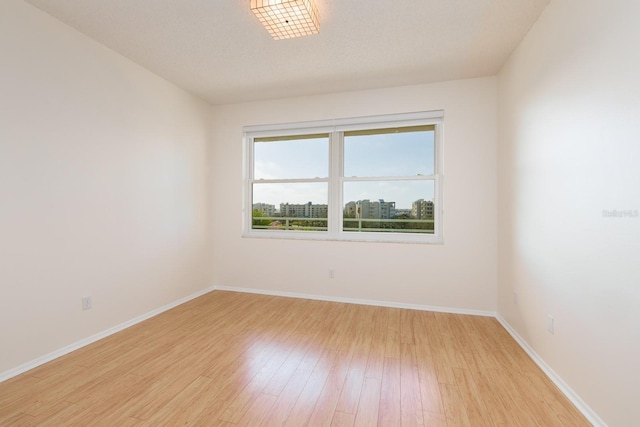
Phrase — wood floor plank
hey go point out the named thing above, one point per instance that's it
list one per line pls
(443, 364)
(428, 381)
(407, 326)
(434, 420)
(512, 399)
(454, 350)
(214, 407)
(392, 348)
(410, 399)
(310, 394)
(551, 397)
(420, 328)
(343, 419)
(368, 406)
(64, 414)
(287, 399)
(483, 352)
(18, 419)
(375, 361)
(325, 407)
(257, 411)
(474, 404)
(352, 387)
(536, 407)
(286, 370)
(390, 413)
(177, 410)
(454, 409)
(485, 389)
(236, 408)
(230, 359)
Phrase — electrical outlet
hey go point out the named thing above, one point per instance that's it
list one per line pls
(515, 297)
(332, 274)
(550, 324)
(86, 303)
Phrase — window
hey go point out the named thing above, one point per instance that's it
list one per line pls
(370, 178)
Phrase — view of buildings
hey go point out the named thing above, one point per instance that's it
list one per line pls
(369, 209)
(307, 210)
(422, 209)
(265, 209)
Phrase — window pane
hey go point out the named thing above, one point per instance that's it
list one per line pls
(302, 156)
(295, 206)
(389, 206)
(390, 152)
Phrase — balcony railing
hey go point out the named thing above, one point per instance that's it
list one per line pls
(395, 225)
(288, 223)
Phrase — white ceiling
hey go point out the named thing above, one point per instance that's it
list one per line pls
(217, 49)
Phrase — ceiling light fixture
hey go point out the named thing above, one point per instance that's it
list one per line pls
(285, 19)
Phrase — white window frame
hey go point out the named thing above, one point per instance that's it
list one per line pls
(336, 179)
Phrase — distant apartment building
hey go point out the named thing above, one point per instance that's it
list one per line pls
(377, 209)
(422, 209)
(307, 210)
(266, 209)
(350, 210)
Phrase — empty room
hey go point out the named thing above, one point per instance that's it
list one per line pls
(319, 212)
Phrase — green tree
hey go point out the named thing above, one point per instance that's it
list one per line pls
(257, 213)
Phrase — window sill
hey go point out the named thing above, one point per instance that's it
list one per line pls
(429, 239)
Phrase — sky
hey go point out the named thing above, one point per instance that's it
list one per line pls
(385, 155)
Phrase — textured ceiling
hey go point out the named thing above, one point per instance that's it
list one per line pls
(217, 49)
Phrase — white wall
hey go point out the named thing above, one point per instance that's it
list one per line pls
(569, 148)
(103, 187)
(459, 274)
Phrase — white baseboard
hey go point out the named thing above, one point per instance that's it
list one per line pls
(358, 301)
(93, 338)
(589, 413)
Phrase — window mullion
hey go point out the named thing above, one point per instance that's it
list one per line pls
(247, 202)
(439, 165)
(390, 178)
(335, 190)
(288, 180)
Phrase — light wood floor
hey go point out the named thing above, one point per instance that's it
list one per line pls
(229, 359)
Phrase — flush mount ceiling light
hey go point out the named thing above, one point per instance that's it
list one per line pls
(285, 19)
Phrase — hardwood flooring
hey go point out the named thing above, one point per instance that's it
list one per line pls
(233, 359)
